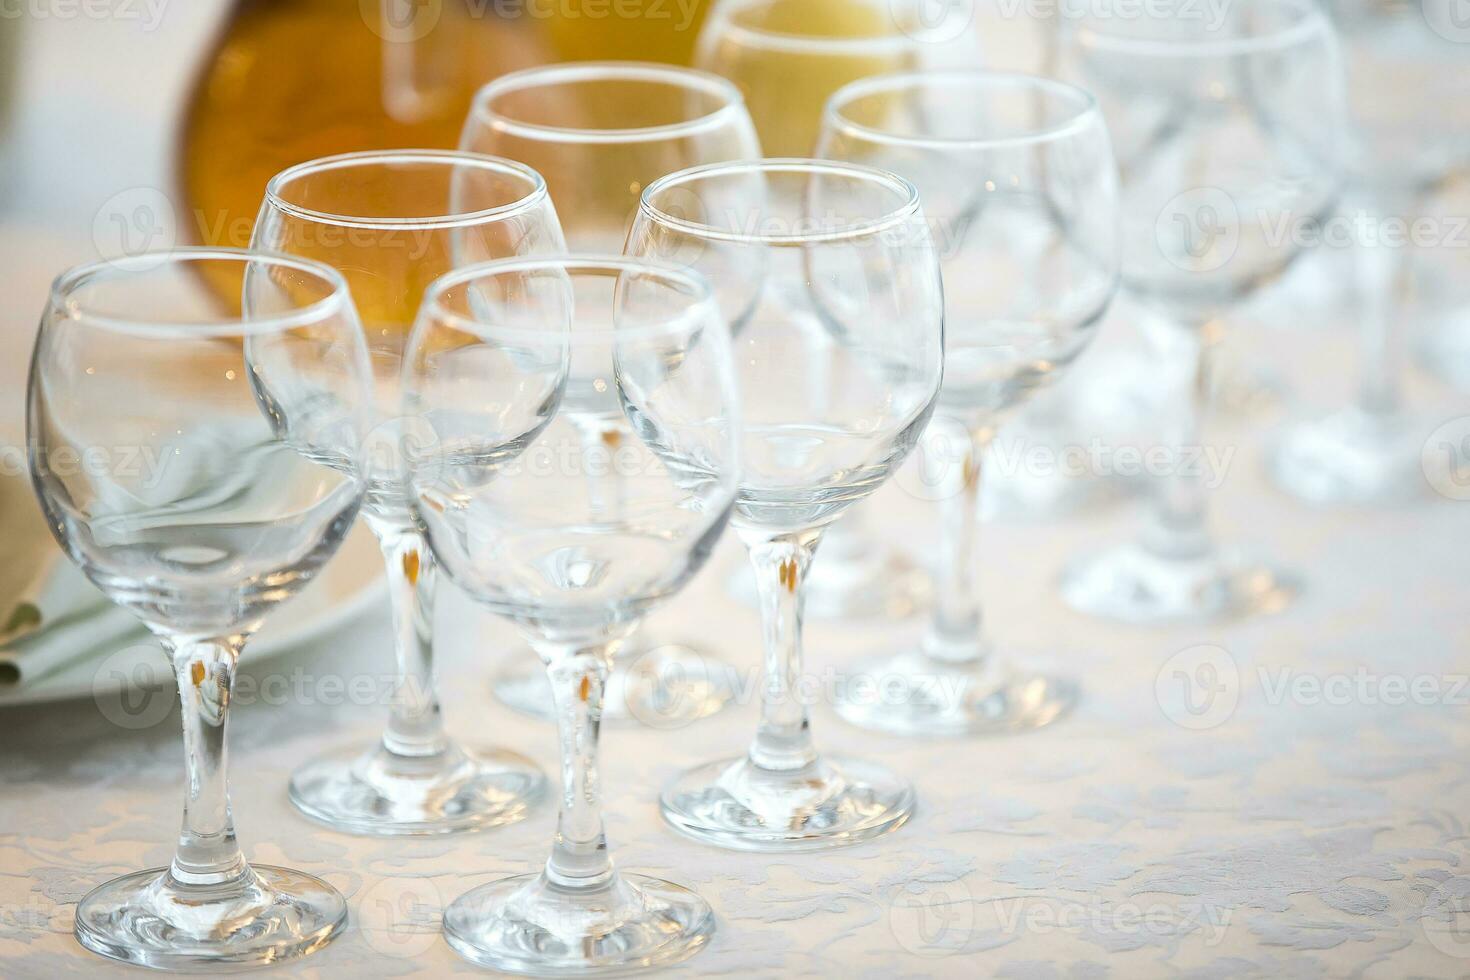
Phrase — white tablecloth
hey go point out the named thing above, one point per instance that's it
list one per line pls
(1314, 826)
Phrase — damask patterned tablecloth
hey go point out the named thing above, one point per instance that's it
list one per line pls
(1281, 797)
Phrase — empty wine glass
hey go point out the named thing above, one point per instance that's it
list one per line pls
(1409, 100)
(253, 402)
(830, 281)
(392, 222)
(502, 368)
(1227, 134)
(600, 132)
(787, 57)
(1019, 185)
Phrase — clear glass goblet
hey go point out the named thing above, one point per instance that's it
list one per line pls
(244, 376)
(1227, 133)
(787, 57)
(501, 369)
(600, 132)
(831, 283)
(1020, 188)
(1409, 102)
(392, 222)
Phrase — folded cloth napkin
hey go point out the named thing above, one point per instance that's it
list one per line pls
(50, 615)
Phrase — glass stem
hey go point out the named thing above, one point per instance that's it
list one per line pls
(415, 724)
(783, 740)
(578, 674)
(208, 853)
(955, 633)
(1378, 272)
(1178, 526)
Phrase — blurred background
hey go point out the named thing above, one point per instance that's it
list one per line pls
(135, 124)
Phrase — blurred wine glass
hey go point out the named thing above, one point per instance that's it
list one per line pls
(393, 221)
(600, 132)
(1227, 129)
(499, 354)
(1409, 102)
(1019, 184)
(256, 406)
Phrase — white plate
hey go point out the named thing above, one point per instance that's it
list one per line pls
(346, 587)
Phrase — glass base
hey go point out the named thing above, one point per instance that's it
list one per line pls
(528, 925)
(384, 794)
(880, 583)
(664, 686)
(913, 694)
(830, 803)
(1350, 456)
(1133, 585)
(149, 919)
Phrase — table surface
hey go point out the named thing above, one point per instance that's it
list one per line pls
(1318, 828)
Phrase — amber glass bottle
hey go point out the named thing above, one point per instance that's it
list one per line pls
(291, 80)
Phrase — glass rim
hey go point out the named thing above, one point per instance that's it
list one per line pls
(701, 294)
(785, 41)
(242, 325)
(1309, 21)
(534, 196)
(903, 212)
(1085, 114)
(544, 76)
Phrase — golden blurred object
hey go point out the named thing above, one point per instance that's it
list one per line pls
(293, 80)
(789, 56)
(639, 30)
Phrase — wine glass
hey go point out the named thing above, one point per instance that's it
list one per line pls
(787, 57)
(1409, 99)
(1019, 184)
(831, 283)
(600, 132)
(254, 401)
(1227, 134)
(392, 222)
(501, 369)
